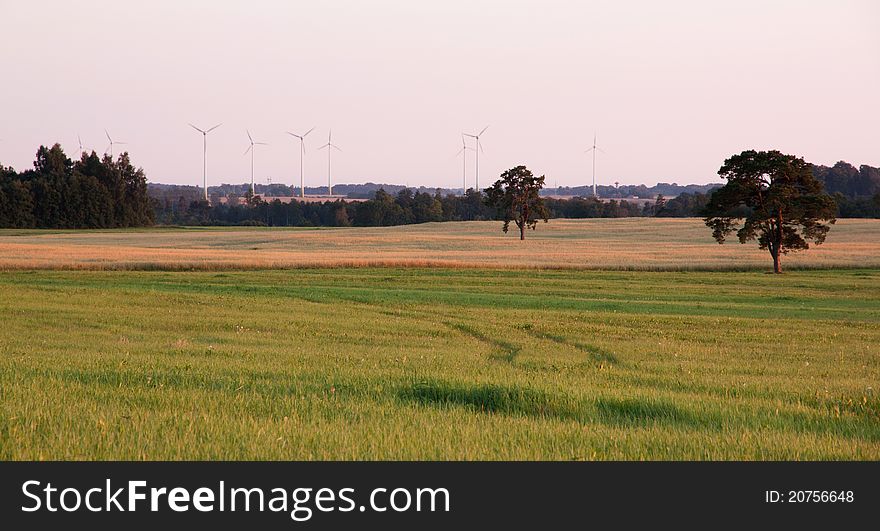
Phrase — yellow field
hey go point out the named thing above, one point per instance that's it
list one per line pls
(634, 243)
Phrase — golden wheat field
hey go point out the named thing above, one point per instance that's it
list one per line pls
(633, 243)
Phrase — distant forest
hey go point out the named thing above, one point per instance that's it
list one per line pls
(99, 192)
(367, 190)
(404, 207)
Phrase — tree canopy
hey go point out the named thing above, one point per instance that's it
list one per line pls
(516, 197)
(772, 198)
(58, 193)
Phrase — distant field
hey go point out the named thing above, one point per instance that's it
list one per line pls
(634, 243)
(393, 363)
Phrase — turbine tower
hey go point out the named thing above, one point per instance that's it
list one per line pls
(110, 147)
(252, 150)
(205, 155)
(330, 147)
(594, 149)
(463, 153)
(477, 149)
(302, 155)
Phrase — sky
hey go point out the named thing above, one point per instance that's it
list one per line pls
(671, 88)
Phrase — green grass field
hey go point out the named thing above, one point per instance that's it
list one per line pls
(405, 363)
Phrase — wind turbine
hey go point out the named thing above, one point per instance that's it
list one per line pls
(302, 155)
(110, 147)
(252, 150)
(463, 153)
(81, 148)
(330, 147)
(205, 155)
(594, 149)
(477, 150)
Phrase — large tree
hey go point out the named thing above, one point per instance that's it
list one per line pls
(773, 198)
(516, 197)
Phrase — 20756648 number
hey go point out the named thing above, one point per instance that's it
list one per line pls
(820, 496)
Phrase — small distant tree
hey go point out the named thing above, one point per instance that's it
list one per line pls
(251, 199)
(777, 201)
(659, 204)
(516, 197)
(340, 216)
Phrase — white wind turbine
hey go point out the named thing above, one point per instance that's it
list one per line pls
(110, 147)
(252, 150)
(463, 153)
(80, 143)
(205, 155)
(302, 155)
(594, 149)
(330, 147)
(477, 149)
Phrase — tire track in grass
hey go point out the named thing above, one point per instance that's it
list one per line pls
(597, 354)
(505, 351)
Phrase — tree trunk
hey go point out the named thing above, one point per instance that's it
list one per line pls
(777, 254)
(522, 232)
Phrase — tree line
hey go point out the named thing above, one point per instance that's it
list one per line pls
(99, 192)
(403, 208)
(93, 192)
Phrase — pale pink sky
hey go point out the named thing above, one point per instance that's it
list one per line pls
(671, 87)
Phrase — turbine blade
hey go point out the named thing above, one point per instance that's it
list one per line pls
(248, 149)
(249, 136)
(196, 128)
(470, 135)
(309, 131)
(322, 147)
(483, 131)
(602, 150)
(215, 127)
(108, 136)
(261, 143)
(336, 148)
